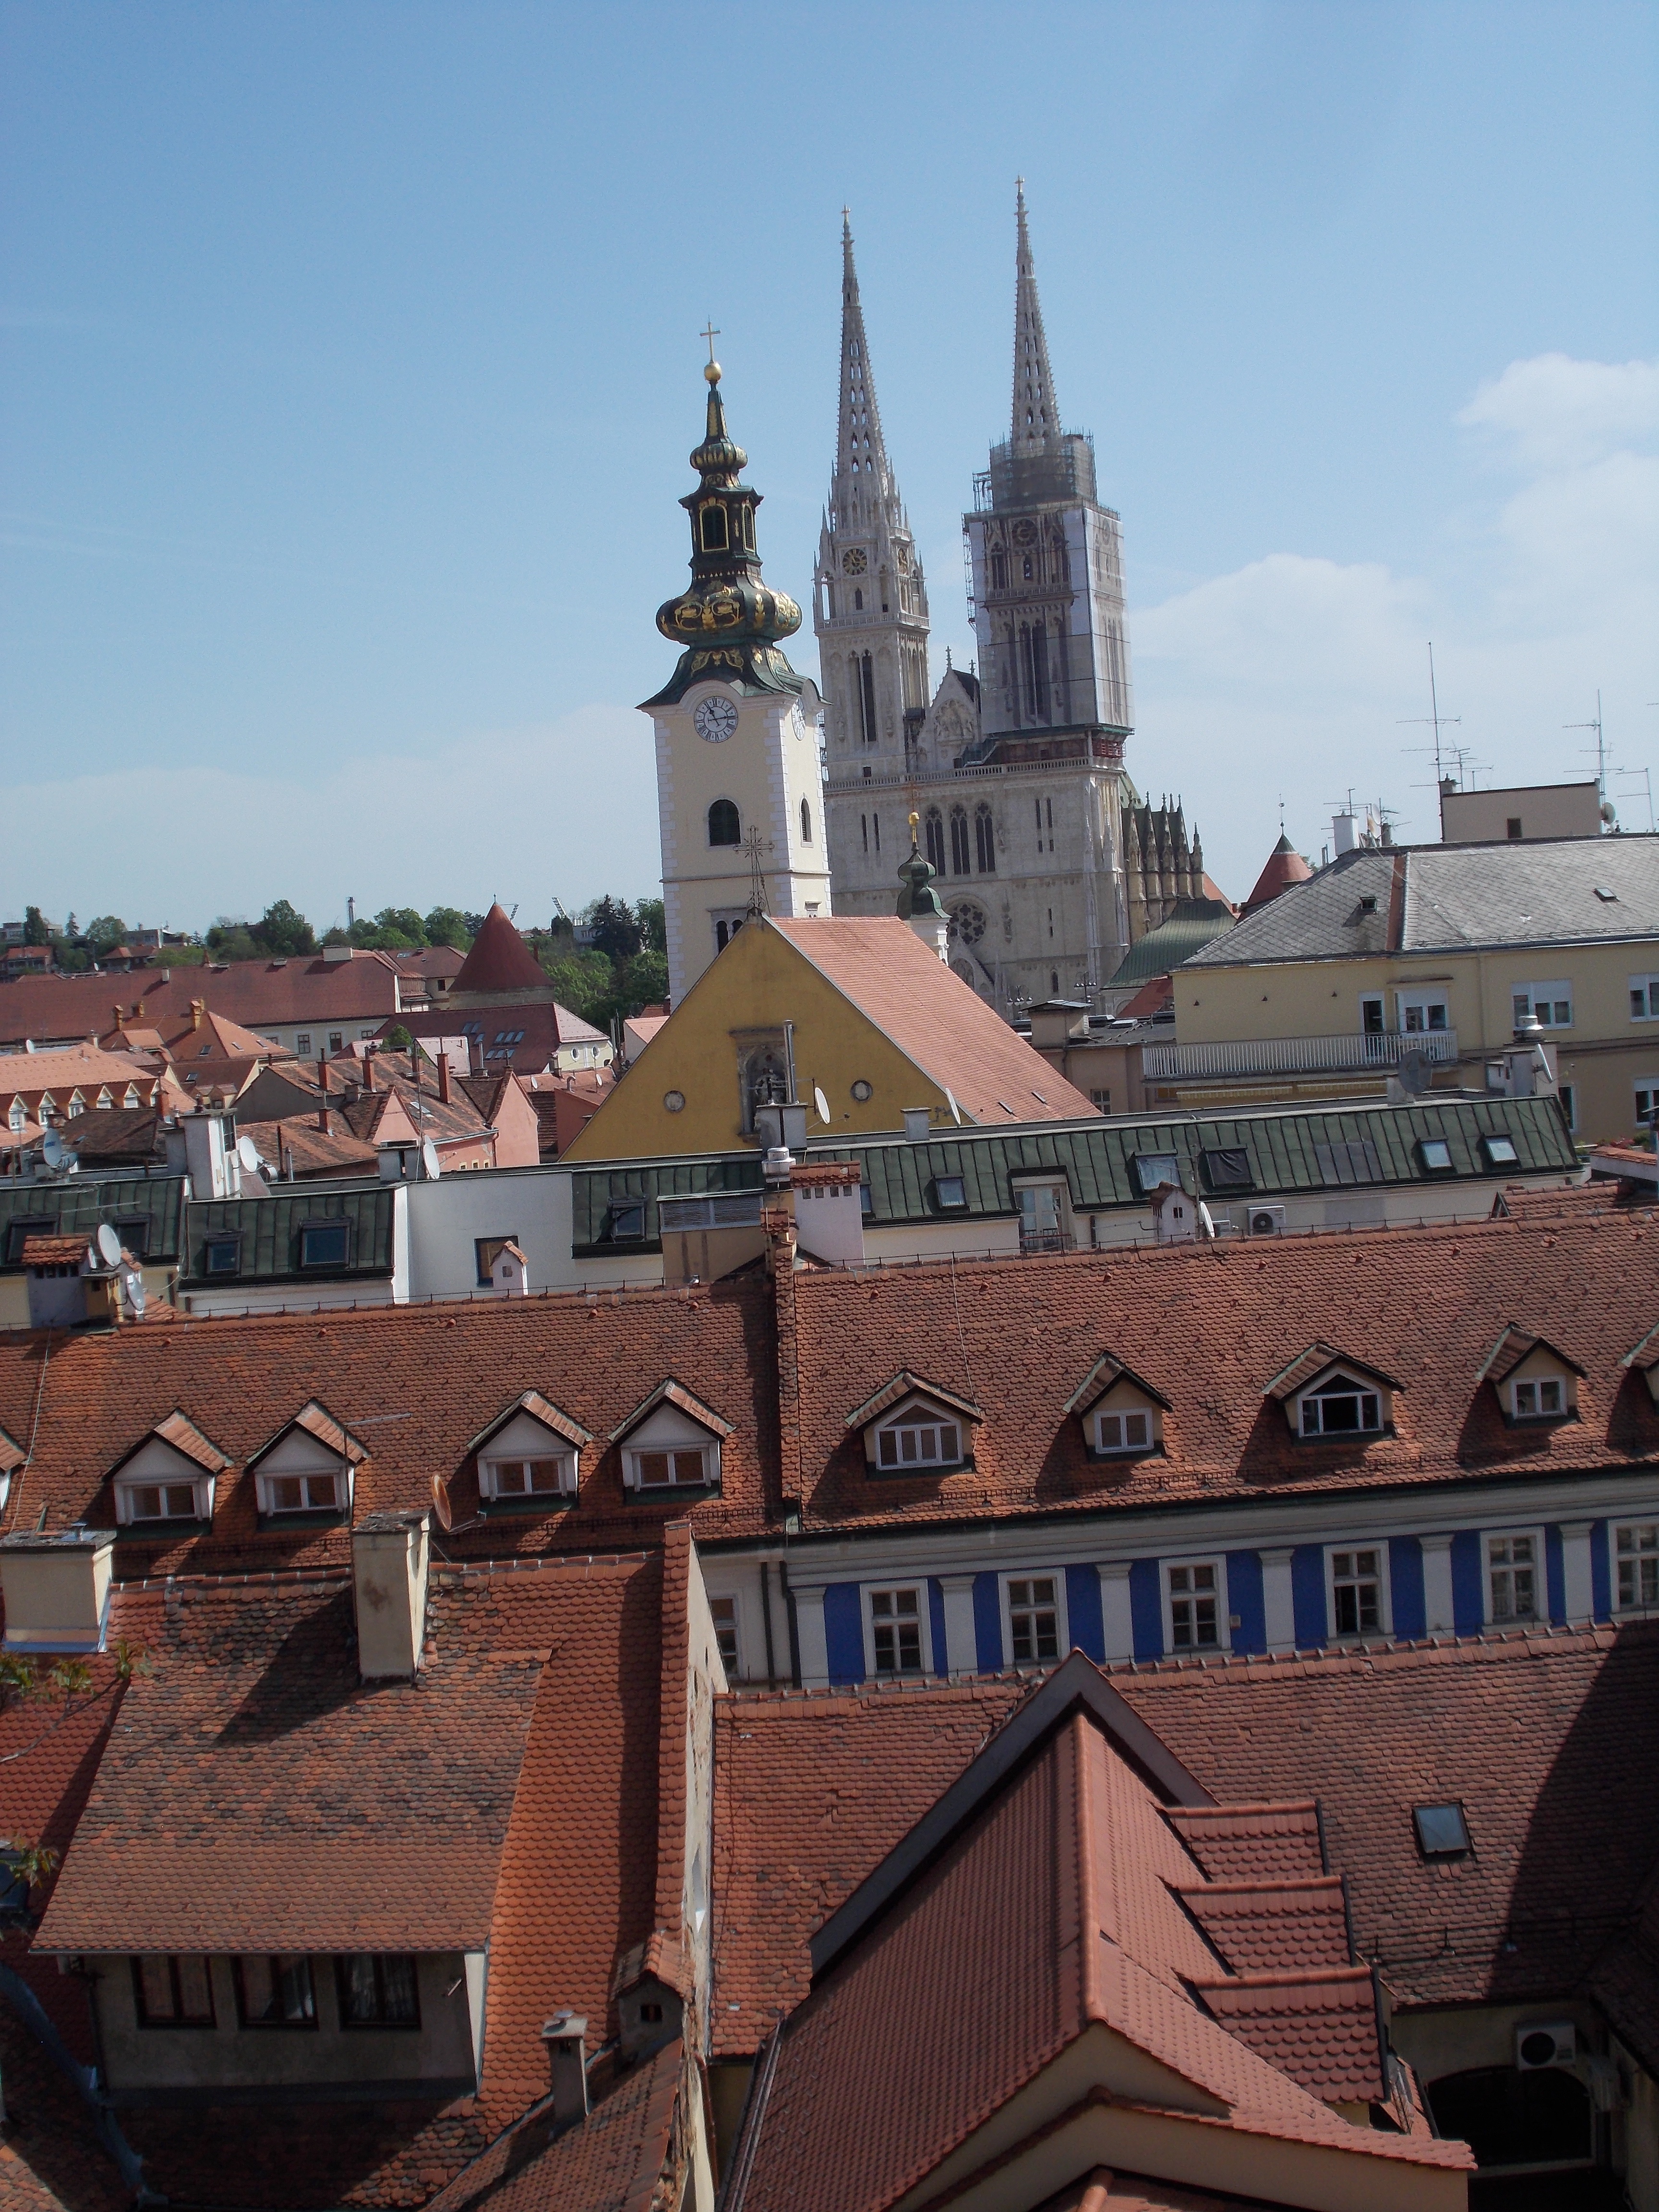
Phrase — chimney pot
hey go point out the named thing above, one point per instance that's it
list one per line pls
(565, 2035)
(443, 1077)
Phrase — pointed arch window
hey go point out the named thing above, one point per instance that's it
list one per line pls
(959, 848)
(723, 826)
(806, 822)
(985, 839)
(867, 675)
(934, 829)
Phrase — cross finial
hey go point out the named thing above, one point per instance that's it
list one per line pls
(709, 332)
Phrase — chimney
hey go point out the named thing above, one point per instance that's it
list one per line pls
(369, 1071)
(389, 1556)
(443, 1076)
(322, 1107)
(56, 1589)
(564, 2036)
(1344, 832)
(918, 1122)
(198, 1008)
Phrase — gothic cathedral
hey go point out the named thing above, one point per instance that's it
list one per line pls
(1050, 864)
(739, 797)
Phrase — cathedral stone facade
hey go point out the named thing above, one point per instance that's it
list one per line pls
(1049, 863)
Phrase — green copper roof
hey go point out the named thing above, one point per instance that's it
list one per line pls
(1194, 924)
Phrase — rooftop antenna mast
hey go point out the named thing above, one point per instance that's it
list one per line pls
(1433, 720)
(755, 846)
(1600, 748)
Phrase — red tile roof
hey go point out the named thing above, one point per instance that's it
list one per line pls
(1318, 2026)
(1285, 866)
(935, 1019)
(1065, 1876)
(499, 960)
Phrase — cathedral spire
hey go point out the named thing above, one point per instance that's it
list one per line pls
(860, 452)
(1036, 416)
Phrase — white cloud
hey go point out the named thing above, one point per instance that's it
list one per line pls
(1298, 676)
(1556, 412)
(520, 815)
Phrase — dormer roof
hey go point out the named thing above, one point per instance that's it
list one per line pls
(1644, 1356)
(12, 1453)
(658, 1958)
(675, 1394)
(539, 1409)
(904, 1385)
(1314, 1362)
(182, 1433)
(317, 1421)
(1511, 1348)
(1105, 1375)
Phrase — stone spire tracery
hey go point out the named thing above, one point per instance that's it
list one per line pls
(1036, 413)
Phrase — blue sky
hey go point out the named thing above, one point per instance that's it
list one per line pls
(351, 368)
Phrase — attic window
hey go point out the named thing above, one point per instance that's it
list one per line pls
(1153, 1169)
(133, 1230)
(137, 1502)
(324, 1243)
(1434, 1155)
(625, 1224)
(309, 1493)
(21, 1228)
(1442, 1831)
(1132, 1429)
(1368, 904)
(949, 1192)
(221, 1255)
(1340, 1406)
(1500, 1152)
(1539, 1398)
(1607, 898)
(1227, 1168)
(670, 1470)
(918, 1439)
(552, 1475)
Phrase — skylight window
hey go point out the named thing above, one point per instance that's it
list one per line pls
(222, 1255)
(1227, 1168)
(949, 1192)
(1153, 1168)
(625, 1224)
(1442, 1831)
(1500, 1151)
(1434, 1155)
(324, 1244)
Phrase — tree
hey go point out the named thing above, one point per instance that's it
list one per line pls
(105, 931)
(396, 1039)
(611, 928)
(230, 939)
(583, 981)
(643, 981)
(283, 932)
(35, 927)
(654, 924)
(447, 924)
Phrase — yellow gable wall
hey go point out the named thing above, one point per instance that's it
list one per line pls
(758, 982)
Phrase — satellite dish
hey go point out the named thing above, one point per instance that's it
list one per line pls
(109, 1245)
(1415, 1073)
(440, 1504)
(248, 1153)
(51, 1149)
(821, 1103)
(1206, 1220)
(955, 1110)
(133, 1283)
(429, 1166)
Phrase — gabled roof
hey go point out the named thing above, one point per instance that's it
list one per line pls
(938, 1022)
(499, 960)
(316, 1421)
(1313, 1361)
(182, 1433)
(903, 1385)
(1511, 1348)
(674, 1394)
(539, 1409)
(1644, 1355)
(1106, 1373)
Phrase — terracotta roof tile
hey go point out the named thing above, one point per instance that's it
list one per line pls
(499, 960)
(43, 1251)
(1320, 2027)
(1269, 1927)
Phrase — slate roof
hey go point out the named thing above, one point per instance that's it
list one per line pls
(1543, 1738)
(934, 1018)
(1446, 898)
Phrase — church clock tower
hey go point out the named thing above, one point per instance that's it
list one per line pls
(739, 795)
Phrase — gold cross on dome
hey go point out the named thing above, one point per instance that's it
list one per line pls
(711, 334)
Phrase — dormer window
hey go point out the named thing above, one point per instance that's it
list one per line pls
(324, 1244)
(170, 1477)
(308, 1467)
(1154, 1170)
(221, 1255)
(1535, 1381)
(914, 1427)
(1122, 1415)
(950, 1193)
(1340, 1406)
(672, 1442)
(529, 1454)
(1326, 1396)
(1128, 1431)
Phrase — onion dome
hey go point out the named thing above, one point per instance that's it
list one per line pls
(727, 620)
(917, 899)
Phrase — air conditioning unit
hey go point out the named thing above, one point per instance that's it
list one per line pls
(1546, 2043)
(1261, 1221)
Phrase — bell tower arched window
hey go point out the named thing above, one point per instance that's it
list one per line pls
(806, 822)
(713, 520)
(724, 827)
(935, 829)
(867, 680)
(959, 860)
(985, 839)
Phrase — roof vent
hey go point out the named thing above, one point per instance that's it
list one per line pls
(918, 1124)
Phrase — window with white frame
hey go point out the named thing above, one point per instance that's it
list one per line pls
(1035, 1609)
(723, 1612)
(897, 1628)
(1123, 1427)
(1550, 1005)
(1422, 1012)
(1194, 1618)
(1341, 1405)
(1357, 1577)
(316, 1490)
(1646, 1100)
(182, 1498)
(1645, 998)
(1540, 1397)
(669, 1451)
(550, 1474)
(916, 1437)
(1636, 1564)
(1515, 1576)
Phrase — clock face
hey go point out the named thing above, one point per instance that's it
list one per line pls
(855, 563)
(715, 719)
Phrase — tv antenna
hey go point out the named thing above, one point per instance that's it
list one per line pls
(1600, 748)
(754, 845)
(1433, 720)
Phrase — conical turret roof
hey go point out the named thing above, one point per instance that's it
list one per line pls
(1285, 866)
(499, 959)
